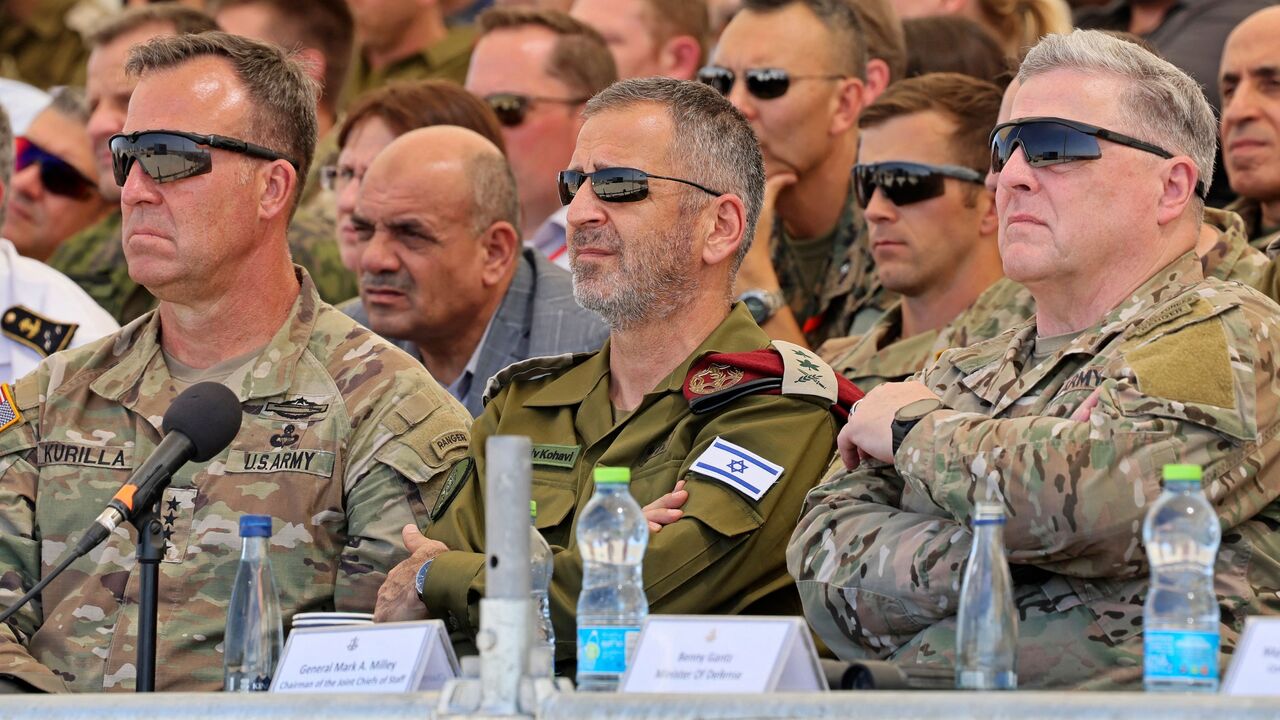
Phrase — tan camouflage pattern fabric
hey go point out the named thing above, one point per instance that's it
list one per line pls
(999, 307)
(45, 51)
(313, 242)
(848, 299)
(1185, 371)
(345, 439)
(1265, 239)
(1232, 257)
(882, 355)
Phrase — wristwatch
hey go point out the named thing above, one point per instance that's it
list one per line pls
(762, 304)
(905, 420)
(422, 576)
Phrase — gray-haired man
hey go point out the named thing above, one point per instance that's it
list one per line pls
(1133, 360)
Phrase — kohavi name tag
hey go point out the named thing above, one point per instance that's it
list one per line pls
(1255, 666)
(717, 654)
(383, 658)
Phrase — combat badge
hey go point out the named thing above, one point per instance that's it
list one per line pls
(713, 378)
(296, 409)
(37, 332)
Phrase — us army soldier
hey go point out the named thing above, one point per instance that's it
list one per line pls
(344, 439)
(1133, 360)
(685, 389)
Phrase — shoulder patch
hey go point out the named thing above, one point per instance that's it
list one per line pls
(10, 415)
(45, 336)
(530, 369)
(458, 476)
(1191, 365)
(447, 441)
(804, 373)
(738, 468)
(1183, 305)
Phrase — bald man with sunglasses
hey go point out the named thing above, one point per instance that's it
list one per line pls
(1133, 360)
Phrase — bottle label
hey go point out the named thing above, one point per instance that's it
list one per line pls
(604, 650)
(1180, 655)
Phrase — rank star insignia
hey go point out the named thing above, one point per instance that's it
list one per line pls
(713, 378)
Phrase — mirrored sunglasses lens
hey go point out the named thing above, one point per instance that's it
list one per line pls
(510, 109)
(567, 183)
(163, 157)
(768, 84)
(720, 79)
(620, 184)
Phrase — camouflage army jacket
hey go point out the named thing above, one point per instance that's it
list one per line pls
(1185, 371)
(1232, 257)
(345, 439)
(848, 298)
(999, 307)
(724, 556)
(1265, 239)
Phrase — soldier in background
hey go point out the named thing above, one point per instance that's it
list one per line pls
(670, 41)
(344, 440)
(1133, 360)
(38, 45)
(404, 40)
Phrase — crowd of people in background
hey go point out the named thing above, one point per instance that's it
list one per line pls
(914, 254)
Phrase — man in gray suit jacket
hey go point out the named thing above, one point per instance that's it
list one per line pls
(443, 271)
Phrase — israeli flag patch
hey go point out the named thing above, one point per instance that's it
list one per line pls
(738, 468)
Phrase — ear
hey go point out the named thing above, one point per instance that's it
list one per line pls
(878, 79)
(500, 245)
(989, 224)
(1179, 189)
(680, 57)
(851, 98)
(278, 182)
(313, 62)
(728, 225)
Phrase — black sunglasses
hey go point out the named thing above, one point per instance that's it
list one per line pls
(168, 155)
(763, 83)
(904, 183)
(56, 175)
(511, 108)
(1050, 140)
(616, 184)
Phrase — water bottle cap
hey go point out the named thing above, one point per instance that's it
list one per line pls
(1183, 473)
(533, 508)
(606, 475)
(988, 513)
(255, 526)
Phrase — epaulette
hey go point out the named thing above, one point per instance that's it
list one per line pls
(530, 369)
(45, 336)
(716, 379)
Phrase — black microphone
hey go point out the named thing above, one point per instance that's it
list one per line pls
(201, 422)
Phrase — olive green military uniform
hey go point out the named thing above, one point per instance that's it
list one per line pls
(446, 60)
(94, 259)
(1184, 371)
(725, 556)
(44, 51)
(1263, 238)
(839, 295)
(344, 440)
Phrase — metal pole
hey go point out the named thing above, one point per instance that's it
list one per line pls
(507, 608)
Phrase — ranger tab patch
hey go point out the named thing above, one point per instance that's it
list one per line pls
(45, 336)
(738, 468)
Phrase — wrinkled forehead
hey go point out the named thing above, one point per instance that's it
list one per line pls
(1073, 95)
(637, 136)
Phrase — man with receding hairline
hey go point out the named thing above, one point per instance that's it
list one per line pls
(449, 279)
(650, 37)
(1250, 83)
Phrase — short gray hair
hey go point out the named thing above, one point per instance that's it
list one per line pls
(494, 196)
(6, 161)
(712, 142)
(283, 96)
(69, 102)
(1162, 104)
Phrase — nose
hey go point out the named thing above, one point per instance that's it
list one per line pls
(1017, 173)
(585, 210)
(377, 254)
(26, 182)
(880, 210)
(347, 195)
(139, 188)
(1242, 106)
(741, 99)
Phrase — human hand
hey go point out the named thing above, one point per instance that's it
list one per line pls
(398, 597)
(869, 431)
(666, 509)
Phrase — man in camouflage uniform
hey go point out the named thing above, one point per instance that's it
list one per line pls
(814, 278)
(938, 251)
(1251, 125)
(344, 439)
(1133, 360)
(649, 400)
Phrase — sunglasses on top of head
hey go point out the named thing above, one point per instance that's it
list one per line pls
(904, 183)
(616, 185)
(763, 83)
(168, 155)
(56, 175)
(511, 108)
(1051, 141)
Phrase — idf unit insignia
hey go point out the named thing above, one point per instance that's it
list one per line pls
(37, 332)
(713, 378)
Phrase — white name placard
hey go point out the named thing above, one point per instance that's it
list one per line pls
(721, 654)
(383, 658)
(1255, 666)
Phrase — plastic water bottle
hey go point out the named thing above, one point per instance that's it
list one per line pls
(1180, 618)
(541, 565)
(986, 624)
(254, 632)
(612, 536)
